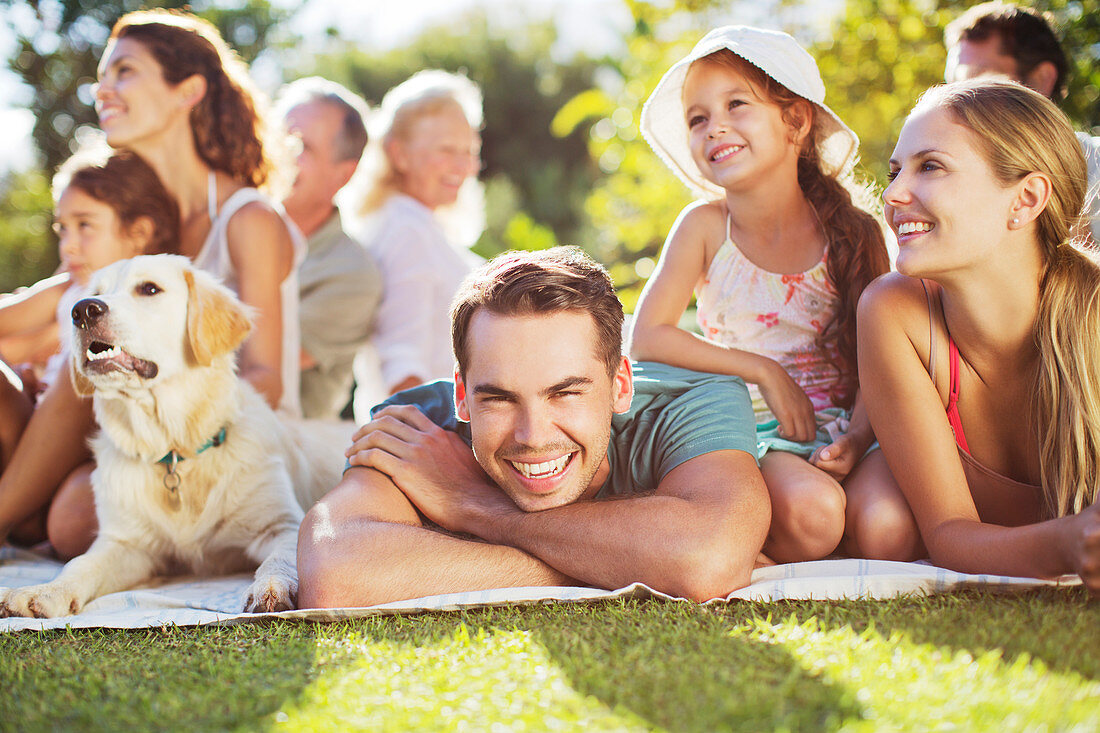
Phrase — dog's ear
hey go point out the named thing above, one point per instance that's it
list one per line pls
(217, 323)
(81, 384)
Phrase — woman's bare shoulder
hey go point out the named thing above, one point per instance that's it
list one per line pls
(258, 224)
(896, 301)
(893, 290)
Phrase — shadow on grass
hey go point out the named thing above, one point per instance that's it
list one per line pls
(195, 678)
(674, 666)
(679, 667)
(1054, 625)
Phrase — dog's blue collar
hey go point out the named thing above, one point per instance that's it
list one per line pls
(172, 457)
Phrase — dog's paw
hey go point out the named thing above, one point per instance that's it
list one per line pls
(40, 601)
(270, 594)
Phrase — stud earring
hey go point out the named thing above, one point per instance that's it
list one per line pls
(1015, 221)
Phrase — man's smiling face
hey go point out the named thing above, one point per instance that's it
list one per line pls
(539, 400)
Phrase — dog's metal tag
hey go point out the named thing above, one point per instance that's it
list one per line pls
(171, 477)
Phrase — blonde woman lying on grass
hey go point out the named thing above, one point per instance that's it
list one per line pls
(979, 360)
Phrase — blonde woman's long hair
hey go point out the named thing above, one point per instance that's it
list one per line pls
(423, 94)
(1019, 132)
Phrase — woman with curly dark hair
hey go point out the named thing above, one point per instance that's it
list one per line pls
(171, 90)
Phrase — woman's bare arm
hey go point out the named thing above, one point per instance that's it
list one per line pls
(262, 254)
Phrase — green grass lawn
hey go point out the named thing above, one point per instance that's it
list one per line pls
(967, 661)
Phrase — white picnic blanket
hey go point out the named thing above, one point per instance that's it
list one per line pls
(195, 601)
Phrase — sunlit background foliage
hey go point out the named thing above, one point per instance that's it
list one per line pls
(564, 161)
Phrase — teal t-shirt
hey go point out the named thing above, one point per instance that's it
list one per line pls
(676, 415)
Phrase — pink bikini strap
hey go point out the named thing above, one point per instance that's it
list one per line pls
(953, 396)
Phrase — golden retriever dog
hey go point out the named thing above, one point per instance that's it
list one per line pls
(194, 471)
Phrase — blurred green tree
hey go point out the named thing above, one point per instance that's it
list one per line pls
(635, 202)
(25, 217)
(536, 183)
(876, 60)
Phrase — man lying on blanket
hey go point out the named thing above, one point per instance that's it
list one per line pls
(535, 466)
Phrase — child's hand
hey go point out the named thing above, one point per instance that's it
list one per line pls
(789, 403)
(839, 457)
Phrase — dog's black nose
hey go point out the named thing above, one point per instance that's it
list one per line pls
(88, 311)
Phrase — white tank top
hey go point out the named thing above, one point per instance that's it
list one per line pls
(214, 258)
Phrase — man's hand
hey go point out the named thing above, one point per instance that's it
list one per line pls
(430, 465)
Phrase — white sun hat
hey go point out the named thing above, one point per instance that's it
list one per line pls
(777, 55)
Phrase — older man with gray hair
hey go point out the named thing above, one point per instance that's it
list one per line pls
(339, 283)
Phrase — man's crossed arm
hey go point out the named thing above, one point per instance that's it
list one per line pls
(697, 536)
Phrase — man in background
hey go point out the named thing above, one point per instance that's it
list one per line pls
(1019, 43)
(340, 286)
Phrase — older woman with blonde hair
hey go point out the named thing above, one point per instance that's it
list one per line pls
(423, 204)
(978, 359)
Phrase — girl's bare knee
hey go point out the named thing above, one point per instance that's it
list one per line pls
(807, 519)
(71, 523)
(821, 519)
(885, 530)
